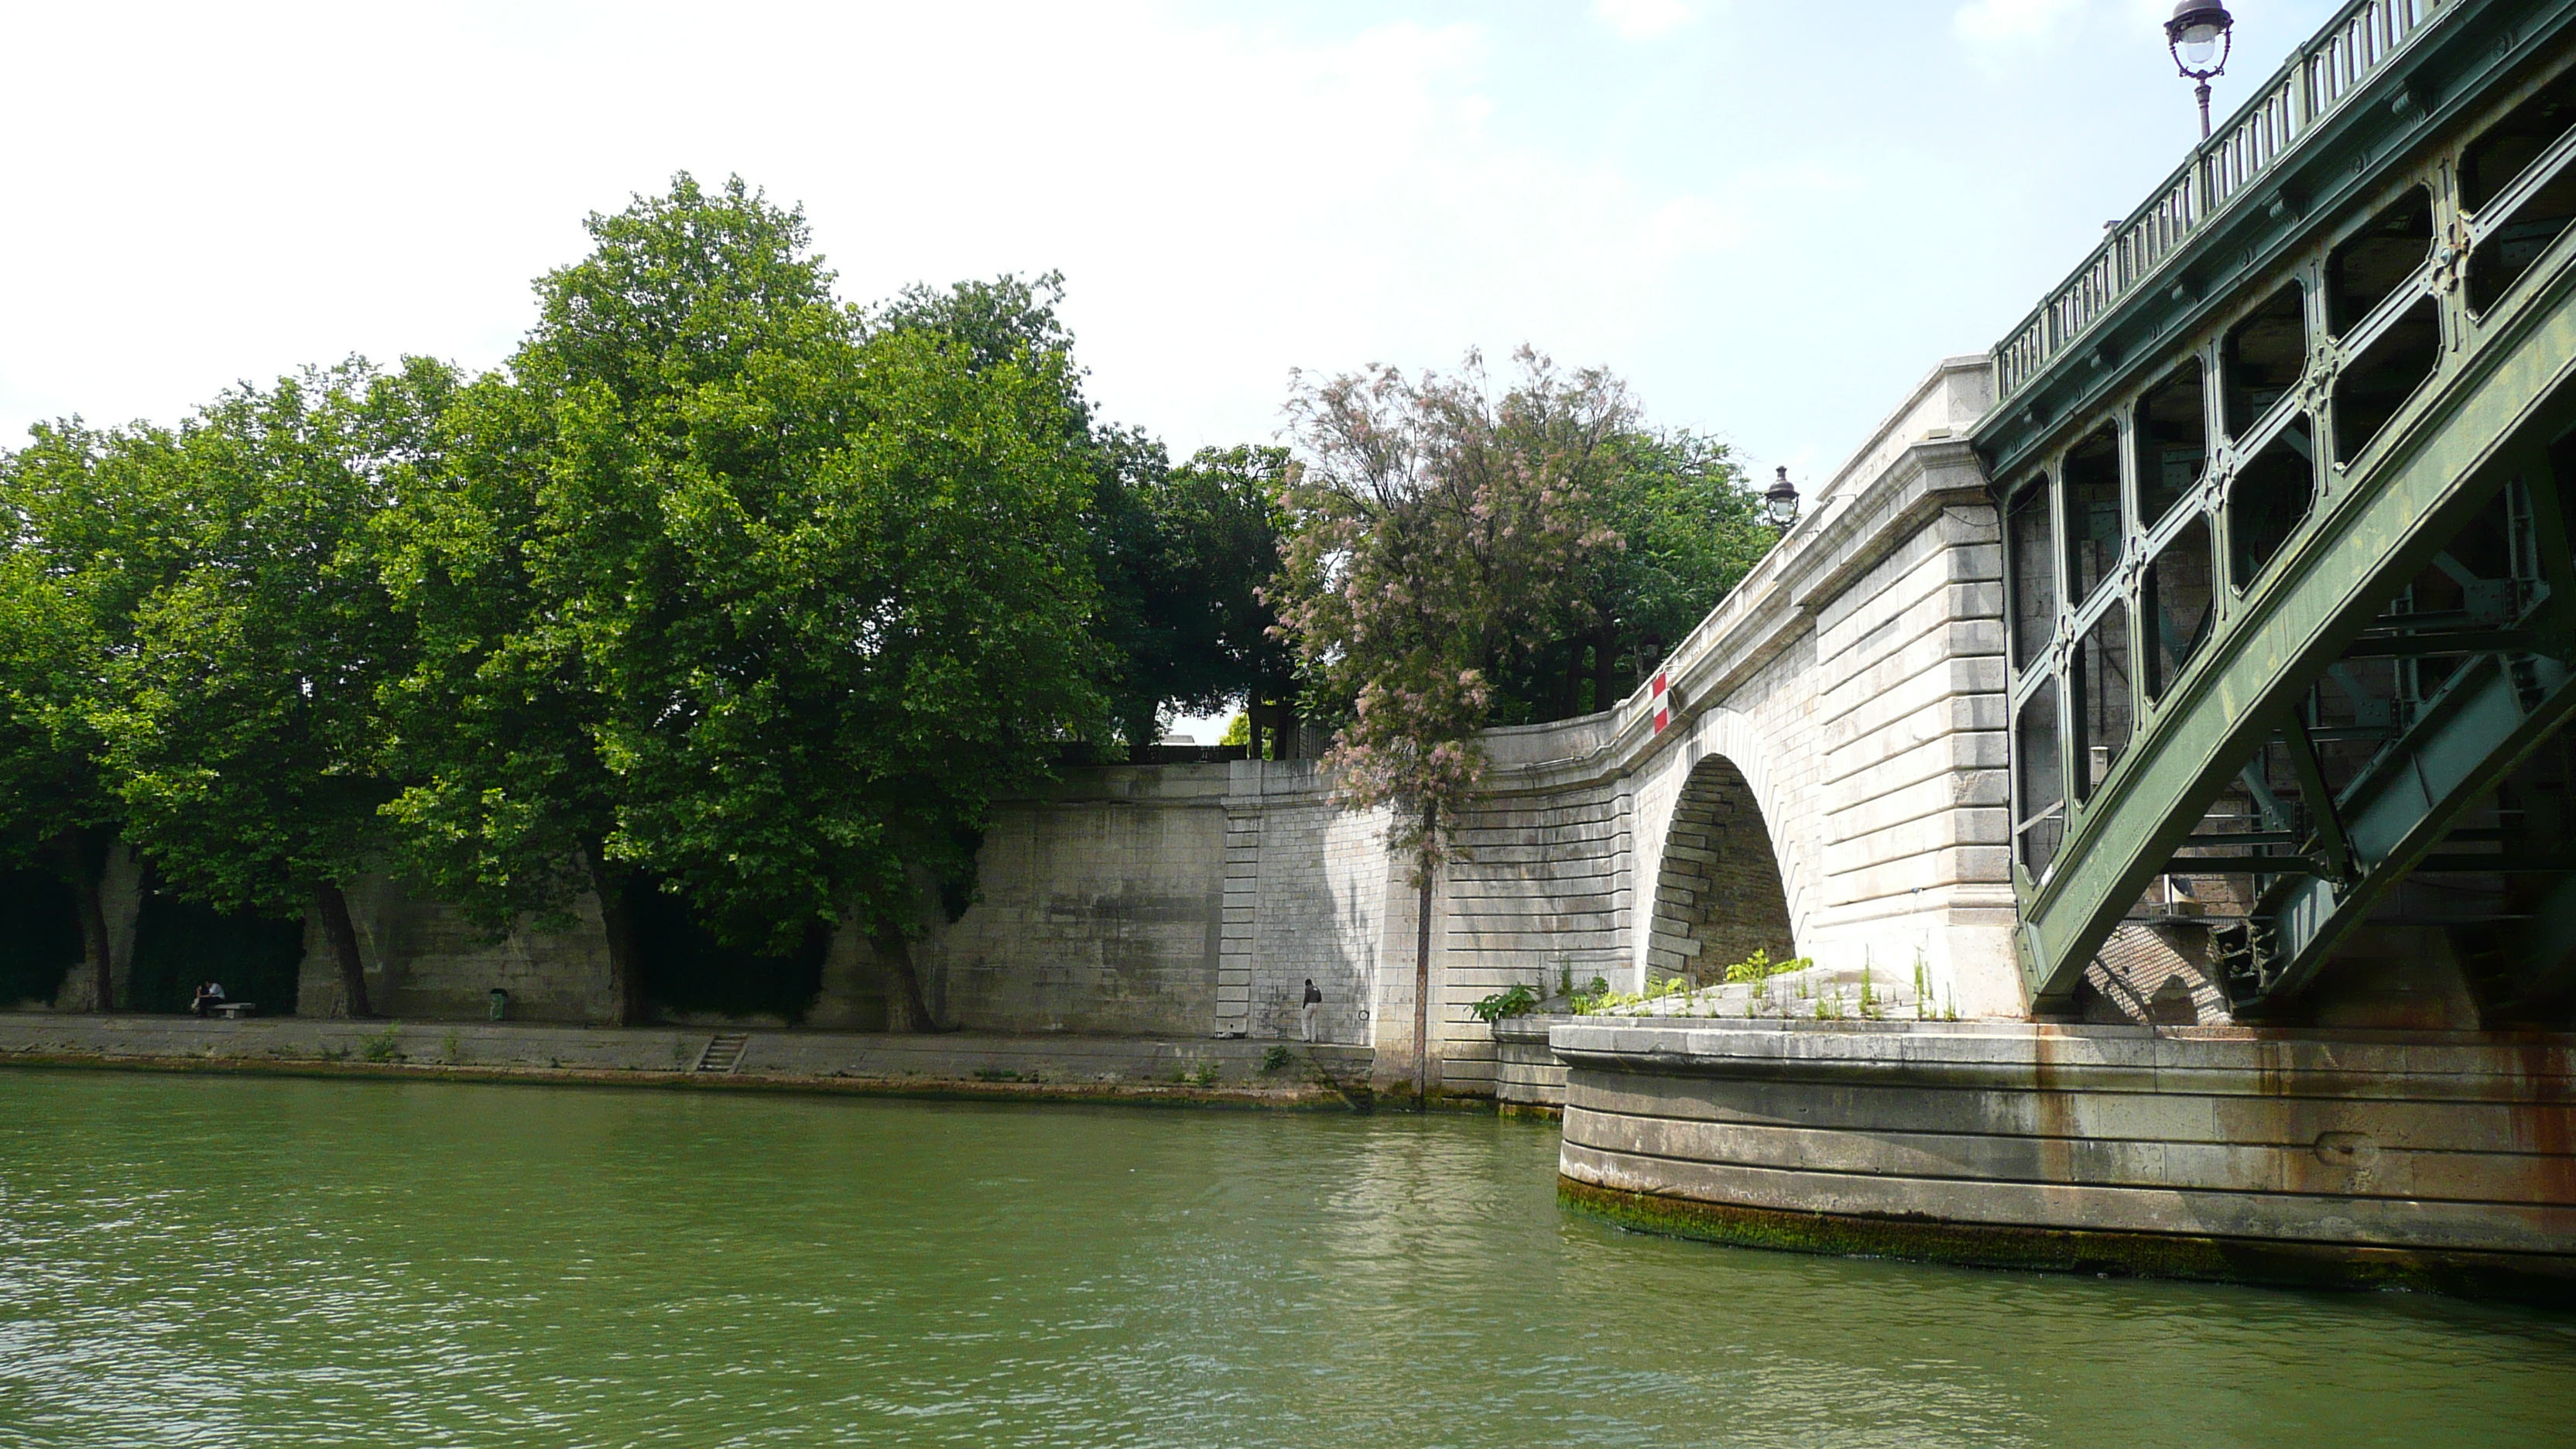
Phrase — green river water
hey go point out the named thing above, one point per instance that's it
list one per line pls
(235, 1261)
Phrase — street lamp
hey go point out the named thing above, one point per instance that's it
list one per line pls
(1780, 501)
(2200, 35)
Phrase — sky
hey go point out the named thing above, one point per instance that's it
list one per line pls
(1771, 219)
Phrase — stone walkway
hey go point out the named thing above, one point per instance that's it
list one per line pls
(949, 1063)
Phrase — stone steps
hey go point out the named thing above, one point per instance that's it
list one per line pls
(724, 1052)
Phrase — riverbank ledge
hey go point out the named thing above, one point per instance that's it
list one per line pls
(2435, 1160)
(1059, 1066)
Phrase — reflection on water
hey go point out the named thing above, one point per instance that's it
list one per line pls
(225, 1261)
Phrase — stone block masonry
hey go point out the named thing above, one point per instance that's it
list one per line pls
(2438, 1160)
(1102, 909)
(1184, 1067)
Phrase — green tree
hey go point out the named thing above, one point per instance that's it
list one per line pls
(1689, 528)
(506, 802)
(1180, 552)
(91, 522)
(1194, 630)
(544, 562)
(1438, 532)
(245, 741)
(729, 587)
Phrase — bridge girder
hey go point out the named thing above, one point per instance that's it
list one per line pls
(2316, 504)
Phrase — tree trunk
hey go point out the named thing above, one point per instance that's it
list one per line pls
(894, 949)
(83, 875)
(617, 925)
(342, 935)
(1422, 975)
(1602, 640)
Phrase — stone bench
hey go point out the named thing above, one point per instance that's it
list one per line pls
(232, 1010)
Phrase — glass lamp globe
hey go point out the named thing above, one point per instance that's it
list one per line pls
(2199, 42)
(2198, 35)
(1780, 501)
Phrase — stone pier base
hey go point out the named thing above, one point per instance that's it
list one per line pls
(2434, 1160)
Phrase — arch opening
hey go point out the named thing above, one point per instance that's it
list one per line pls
(1718, 893)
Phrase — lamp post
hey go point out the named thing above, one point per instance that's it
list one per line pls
(2200, 35)
(1780, 501)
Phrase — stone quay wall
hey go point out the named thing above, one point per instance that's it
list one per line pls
(1058, 1063)
(2443, 1160)
(1827, 781)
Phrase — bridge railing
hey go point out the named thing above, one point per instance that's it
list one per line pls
(2317, 79)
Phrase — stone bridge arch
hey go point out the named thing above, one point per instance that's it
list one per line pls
(1719, 893)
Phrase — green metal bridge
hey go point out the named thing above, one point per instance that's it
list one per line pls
(2286, 472)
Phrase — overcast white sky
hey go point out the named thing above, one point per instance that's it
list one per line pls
(1770, 217)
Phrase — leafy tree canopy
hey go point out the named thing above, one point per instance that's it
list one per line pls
(1179, 552)
(91, 523)
(726, 586)
(1688, 529)
(1440, 532)
(1462, 554)
(243, 739)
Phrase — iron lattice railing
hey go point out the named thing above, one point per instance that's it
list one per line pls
(2309, 87)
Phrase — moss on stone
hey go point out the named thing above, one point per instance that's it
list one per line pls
(2520, 1278)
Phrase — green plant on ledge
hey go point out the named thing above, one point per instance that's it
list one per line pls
(1759, 967)
(1276, 1057)
(384, 1046)
(1601, 998)
(1519, 1001)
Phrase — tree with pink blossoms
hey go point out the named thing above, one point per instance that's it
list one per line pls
(1439, 529)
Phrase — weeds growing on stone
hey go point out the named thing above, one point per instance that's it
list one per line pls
(384, 1046)
(452, 1046)
(1519, 1001)
(1759, 967)
(1276, 1058)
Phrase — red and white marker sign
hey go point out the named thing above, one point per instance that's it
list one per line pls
(1663, 703)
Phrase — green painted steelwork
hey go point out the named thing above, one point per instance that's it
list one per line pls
(2147, 250)
(2351, 433)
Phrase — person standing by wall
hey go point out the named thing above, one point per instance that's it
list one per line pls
(1306, 1013)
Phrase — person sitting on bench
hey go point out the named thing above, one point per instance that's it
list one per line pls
(210, 994)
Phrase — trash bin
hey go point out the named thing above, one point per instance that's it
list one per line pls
(500, 1003)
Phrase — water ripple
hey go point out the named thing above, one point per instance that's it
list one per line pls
(225, 1261)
